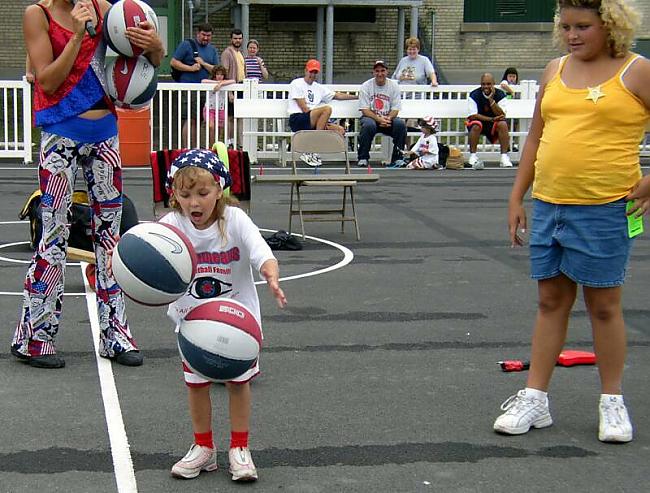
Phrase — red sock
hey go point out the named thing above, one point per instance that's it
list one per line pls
(238, 439)
(204, 439)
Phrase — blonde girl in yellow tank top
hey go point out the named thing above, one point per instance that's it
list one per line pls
(601, 148)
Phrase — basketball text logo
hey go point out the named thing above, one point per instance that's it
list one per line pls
(175, 245)
(232, 311)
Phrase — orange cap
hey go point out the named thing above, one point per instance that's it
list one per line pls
(312, 65)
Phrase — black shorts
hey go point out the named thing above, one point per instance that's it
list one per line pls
(300, 121)
(489, 129)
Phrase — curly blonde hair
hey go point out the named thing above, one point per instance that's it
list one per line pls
(186, 178)
(620, 18)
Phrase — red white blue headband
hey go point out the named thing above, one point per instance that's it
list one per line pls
(200, 158)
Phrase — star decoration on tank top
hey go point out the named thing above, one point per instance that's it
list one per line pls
(595, 93)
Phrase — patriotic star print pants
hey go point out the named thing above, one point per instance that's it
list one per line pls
(100, 162)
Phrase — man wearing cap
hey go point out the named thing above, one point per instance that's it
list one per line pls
(305, 109)
(380, 102)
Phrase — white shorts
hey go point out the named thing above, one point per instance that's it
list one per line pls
(193, 380)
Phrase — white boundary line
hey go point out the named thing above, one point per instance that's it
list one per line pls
(120, 450)
(348, 256)
(18, 261)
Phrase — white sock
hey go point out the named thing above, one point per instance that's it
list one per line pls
(618, 397)
(536, 394)
(505, 154)
(473, 155)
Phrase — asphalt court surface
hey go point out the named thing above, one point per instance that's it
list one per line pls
(379, 376)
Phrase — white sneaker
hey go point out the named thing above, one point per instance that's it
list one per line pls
(197, 459)
(475, 162)
(241, 464)
(522, 412)
(614, 423)
(311, 159)
(505, 161)
(362, 163)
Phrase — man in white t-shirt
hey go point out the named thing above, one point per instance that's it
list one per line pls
(380, 102)
(305, 109)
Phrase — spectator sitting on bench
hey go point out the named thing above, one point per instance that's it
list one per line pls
(486, 108)
(305, 96)
(380, 102)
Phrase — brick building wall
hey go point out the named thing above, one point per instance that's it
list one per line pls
(12, 47)
(354, 50)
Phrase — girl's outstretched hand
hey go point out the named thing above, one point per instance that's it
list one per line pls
(271, 272)
(276, 291)
(641, 196)
(516, 221)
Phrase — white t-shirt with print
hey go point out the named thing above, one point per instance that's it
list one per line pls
(224, 269)
(313, 94)
(380, 99)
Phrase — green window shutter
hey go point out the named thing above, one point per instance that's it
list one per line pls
(509, 10)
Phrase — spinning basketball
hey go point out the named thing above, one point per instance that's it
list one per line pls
(126, 13)
(220, 340)
(131, 82)
(154, 263)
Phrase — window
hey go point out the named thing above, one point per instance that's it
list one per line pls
(509, 10)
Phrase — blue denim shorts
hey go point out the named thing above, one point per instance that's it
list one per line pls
(587, 243)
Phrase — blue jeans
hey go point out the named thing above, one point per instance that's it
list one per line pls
(369, 129)
(587, 243)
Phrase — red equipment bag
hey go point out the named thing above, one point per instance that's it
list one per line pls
(570, 357)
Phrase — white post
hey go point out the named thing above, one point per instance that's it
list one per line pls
(27, 121)
(528, 91)
(250, 124)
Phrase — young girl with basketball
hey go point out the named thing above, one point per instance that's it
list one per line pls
(598, 95)
(215, 226)
(79, 129)
(215, 106)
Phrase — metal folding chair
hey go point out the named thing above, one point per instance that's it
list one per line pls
(321, 142)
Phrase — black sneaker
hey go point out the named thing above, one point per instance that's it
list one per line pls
(129, 358)
(18, 355)
(46, 361)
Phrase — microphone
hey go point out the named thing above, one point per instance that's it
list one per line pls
(90, 29)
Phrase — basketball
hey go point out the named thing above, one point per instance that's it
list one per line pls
(220, 340)
(154, 263)
(132, 82)
(123, 14)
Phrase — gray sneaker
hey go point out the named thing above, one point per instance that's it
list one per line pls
(521, 412)
(362, 163)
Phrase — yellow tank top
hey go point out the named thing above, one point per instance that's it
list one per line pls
(589, 149)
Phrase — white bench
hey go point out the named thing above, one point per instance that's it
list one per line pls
(266, 120)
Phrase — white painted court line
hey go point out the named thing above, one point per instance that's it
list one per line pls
(347, 258)
(120, 450)
(18, 261)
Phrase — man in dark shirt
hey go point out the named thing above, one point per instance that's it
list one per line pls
(486, 108)
(194, 60)
(195, 69)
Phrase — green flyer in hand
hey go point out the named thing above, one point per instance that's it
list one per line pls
(634, 224)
